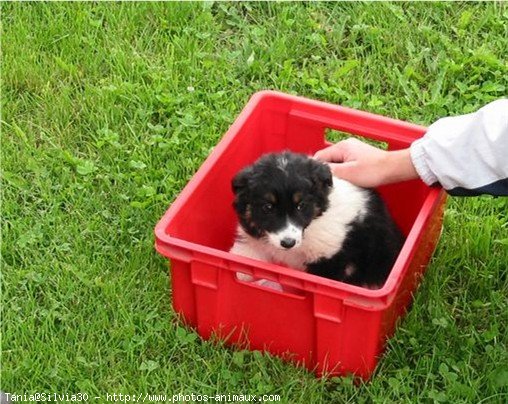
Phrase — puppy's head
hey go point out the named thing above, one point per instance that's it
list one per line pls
(278, 196)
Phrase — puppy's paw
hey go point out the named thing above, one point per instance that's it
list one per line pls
(244, 277)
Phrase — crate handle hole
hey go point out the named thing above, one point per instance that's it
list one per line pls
(333, 136)
(269, 285)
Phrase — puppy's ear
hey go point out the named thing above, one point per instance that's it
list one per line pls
(241, 181)
(240, 186)
(321, 175)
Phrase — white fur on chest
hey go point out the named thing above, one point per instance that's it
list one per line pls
(322, 238)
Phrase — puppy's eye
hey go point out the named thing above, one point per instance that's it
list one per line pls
(300, 206)
(267, 208)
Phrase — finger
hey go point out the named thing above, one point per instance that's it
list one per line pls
(342, 170)
(335, 153)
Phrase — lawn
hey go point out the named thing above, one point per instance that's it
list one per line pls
(109, 109)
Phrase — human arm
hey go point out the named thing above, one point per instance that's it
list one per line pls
(467, 155)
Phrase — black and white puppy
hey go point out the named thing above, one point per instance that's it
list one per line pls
(293, 212)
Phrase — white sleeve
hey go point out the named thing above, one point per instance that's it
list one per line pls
(466, 154)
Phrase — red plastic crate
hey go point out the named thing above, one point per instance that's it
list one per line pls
(331, 327)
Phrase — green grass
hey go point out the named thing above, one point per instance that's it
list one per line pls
(108, 110)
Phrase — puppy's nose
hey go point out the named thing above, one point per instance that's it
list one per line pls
(287, 242)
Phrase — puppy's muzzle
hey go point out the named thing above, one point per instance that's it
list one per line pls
(286, 238)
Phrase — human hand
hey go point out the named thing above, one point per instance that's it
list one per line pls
(365, 165)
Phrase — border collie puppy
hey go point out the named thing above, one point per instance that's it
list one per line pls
(292, 212)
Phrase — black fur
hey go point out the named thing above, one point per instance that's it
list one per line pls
(371, 246)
